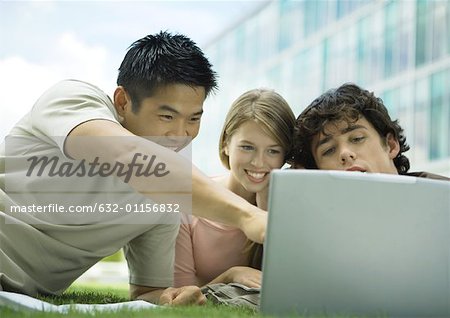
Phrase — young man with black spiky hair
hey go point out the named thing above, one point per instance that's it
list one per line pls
(105, 148)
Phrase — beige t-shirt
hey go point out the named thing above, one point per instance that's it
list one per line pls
(39, 254)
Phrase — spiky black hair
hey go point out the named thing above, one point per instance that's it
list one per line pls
(163, 59)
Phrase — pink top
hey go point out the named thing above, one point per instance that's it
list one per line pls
(206, 249)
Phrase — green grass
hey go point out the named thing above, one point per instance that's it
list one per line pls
(116, 257)
(95, 294)
(90, 294)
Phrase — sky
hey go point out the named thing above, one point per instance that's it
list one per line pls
(43, 42)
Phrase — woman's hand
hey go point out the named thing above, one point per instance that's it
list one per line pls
(245, 275)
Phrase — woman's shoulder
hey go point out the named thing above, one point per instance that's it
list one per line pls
(198, 224)
(215, 226)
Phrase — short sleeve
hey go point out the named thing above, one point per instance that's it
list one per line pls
(185, 273)
(67, 105)
(151, 255)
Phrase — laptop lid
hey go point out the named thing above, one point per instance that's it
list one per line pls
(355, 243)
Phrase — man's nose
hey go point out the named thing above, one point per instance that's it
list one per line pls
(347, 156)
(178, 130)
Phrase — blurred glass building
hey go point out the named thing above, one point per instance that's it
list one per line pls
(398, 49)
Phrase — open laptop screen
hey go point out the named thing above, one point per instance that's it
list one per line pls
(355, 243)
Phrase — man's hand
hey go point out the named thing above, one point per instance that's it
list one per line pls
(186, 295)
(254, 225)
(262, 199)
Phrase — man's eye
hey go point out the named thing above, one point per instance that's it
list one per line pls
(195, 119)
(328, 151)
(358, 139)
(166, 117)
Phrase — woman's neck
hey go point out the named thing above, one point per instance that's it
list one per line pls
(233, 185)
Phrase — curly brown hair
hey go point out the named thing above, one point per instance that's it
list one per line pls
(348, 102)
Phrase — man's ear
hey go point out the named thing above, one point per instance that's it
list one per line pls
(122, 101)
(393, 145)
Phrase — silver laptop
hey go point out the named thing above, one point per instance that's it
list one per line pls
(355, 243)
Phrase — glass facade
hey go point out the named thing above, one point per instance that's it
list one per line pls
(398, 49)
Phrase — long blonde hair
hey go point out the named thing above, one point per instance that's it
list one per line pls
(272, 112)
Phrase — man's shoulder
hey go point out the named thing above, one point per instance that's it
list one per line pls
(74, 82)
(74, 86)
(428, 175)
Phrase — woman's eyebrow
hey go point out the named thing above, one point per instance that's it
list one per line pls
(249, 142)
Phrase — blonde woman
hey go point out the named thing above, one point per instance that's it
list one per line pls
(256, 138)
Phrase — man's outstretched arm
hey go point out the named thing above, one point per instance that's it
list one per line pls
(209, 199)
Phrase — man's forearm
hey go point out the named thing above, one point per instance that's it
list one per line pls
(215, 202)
(212, 201)
(151, 296)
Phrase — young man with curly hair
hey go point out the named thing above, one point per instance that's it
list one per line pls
(349, 128)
